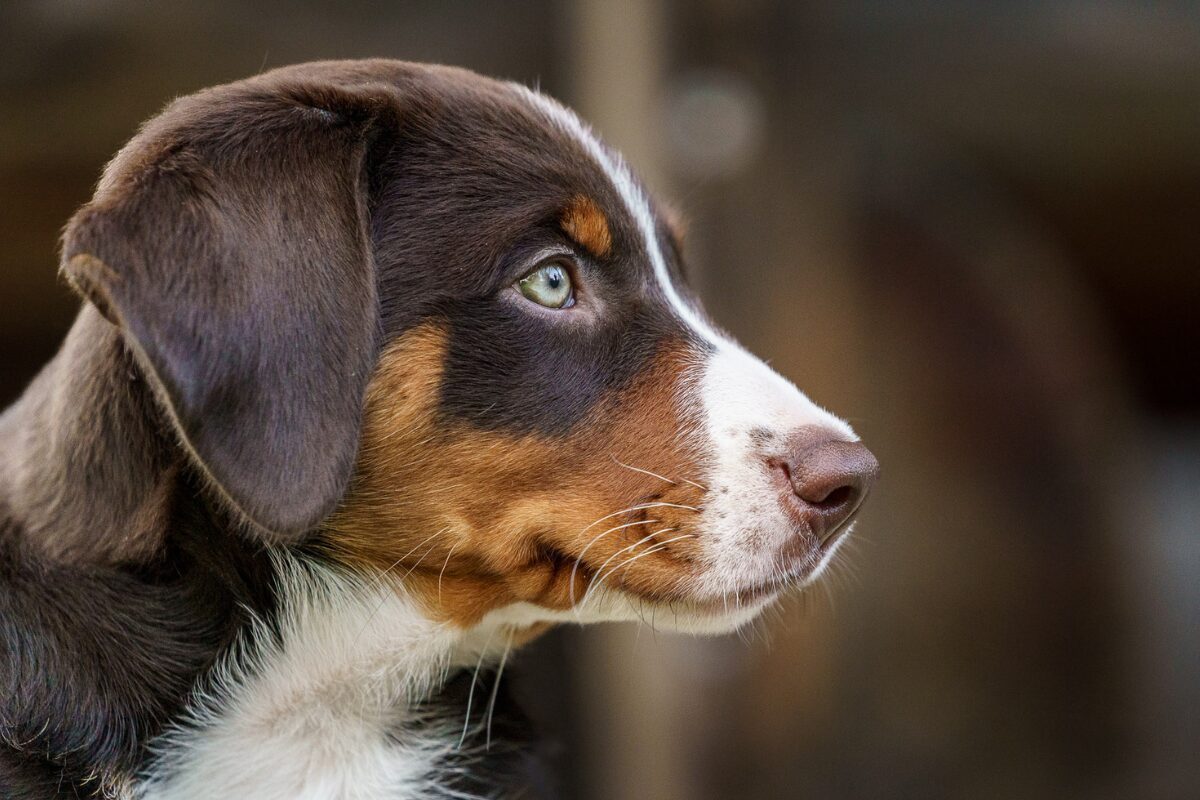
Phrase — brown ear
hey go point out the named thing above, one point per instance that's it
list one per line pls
(229, 242)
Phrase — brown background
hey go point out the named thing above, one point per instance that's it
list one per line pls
(971, 228)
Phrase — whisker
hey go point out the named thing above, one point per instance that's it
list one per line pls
(424, 555)
(626, 549)
(442, 573)
(496, 690)
(620, 463)
(598, 537)
(625, 564)
(582, 553)
(639, 507)
(379, 580)
(471, 692)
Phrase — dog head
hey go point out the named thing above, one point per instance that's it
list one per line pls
(425, 323)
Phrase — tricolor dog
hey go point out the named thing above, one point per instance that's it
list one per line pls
(382, 370)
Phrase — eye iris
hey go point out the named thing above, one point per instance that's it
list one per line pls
(548, 286)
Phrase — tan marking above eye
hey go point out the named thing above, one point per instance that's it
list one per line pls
(471, 520)
(586, 224)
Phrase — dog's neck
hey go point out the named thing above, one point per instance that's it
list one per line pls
(336, 635)
(85, 466)
(344, 670)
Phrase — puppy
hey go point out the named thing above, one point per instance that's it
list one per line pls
(383, 368)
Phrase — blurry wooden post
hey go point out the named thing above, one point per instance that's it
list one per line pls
(632, 700)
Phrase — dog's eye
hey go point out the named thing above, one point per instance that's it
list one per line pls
(549, 285)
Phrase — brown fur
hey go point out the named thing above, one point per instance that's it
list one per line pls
(474, 520)
(585, 223)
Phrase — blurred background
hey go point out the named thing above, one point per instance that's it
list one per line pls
(972, 228)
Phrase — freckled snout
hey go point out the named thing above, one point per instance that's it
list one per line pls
(825, 480)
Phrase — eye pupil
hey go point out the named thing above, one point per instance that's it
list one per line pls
(549, 285)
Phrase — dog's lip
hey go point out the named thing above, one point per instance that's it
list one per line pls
(793, 569)
(718, 605)
(792, 572)
(791, 575)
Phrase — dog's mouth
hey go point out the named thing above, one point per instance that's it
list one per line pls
(685, 590)
(748, 595)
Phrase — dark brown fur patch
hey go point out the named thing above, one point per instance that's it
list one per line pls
(586, 224)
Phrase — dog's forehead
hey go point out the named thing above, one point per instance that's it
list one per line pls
(508, 155)
(485, 174)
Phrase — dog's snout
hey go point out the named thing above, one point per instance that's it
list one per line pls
(829, 479)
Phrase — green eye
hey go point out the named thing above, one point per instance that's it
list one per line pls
(549, 285)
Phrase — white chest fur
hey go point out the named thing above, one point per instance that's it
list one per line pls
(312, 710)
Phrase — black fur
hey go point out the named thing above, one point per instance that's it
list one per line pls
(500, 748)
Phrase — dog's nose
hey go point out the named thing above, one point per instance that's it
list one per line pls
(829, 479)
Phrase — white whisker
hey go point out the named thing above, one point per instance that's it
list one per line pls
(442, 573)
(471, 692)
(625, 549)
(379, 579)
(620, 463)
(496, 690)
(598, 537)
(582, 553)
(624, 564)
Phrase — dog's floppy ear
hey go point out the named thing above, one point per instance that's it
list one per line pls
(229, 242)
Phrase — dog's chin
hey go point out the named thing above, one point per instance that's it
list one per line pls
(699, 615)
(709, 613)
(689, 616)
(693, 616)
(712, 619)
(718, 600)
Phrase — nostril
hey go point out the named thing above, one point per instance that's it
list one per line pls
(841, 496)
(828, 479)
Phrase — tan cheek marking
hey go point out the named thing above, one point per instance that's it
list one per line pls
(397, 426)
(649, 428)
(470, 520)
(585, 223)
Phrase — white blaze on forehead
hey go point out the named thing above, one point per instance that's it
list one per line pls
(634, 199)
